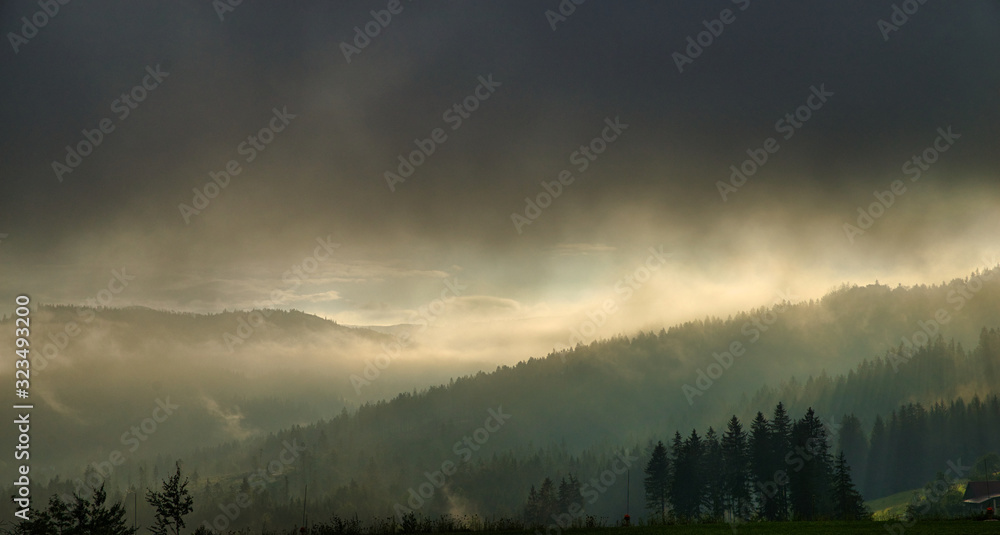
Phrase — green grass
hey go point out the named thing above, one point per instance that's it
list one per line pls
(924, 527)
(894, 505)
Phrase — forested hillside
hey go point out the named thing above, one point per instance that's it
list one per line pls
(480, 442)
(231, 376)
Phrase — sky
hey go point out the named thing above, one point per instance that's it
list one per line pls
(641, 109)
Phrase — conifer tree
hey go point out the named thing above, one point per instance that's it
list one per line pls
(689, 477)
(532, 508)
(781, 432)
(848, 504)
(171, 504)
(657, 482)
(810, 477)
(762, 467)
(81, 517)
(677, 485)
(714, 501)
(736, 467)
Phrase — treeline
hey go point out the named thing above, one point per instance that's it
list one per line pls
(748, 472)
(894, 447)
(900, 450)
(776, 470)
(77, 515)
(905, 450)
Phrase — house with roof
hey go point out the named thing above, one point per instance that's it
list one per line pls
(982, 491)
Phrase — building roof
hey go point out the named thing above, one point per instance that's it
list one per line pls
(980, 491)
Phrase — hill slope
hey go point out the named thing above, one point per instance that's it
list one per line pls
(572, 411)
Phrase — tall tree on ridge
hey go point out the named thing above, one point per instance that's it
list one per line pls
(810, 477)
(781, 434)
(736, 467)
(657, 482)
(848, 504)
(715, 485)
(762, 467)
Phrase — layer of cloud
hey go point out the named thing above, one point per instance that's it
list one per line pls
(655, 185)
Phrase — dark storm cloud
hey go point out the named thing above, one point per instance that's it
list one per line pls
(323, 174)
